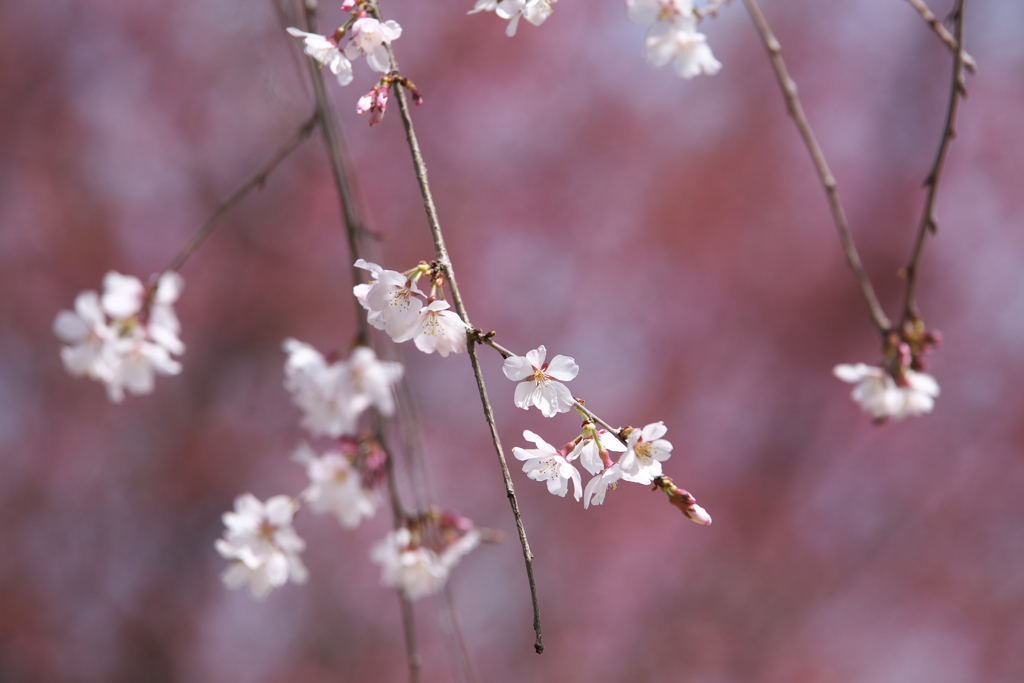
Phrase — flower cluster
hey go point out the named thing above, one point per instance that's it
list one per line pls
(642, 453)
(673, 37)
(361, 35)
(124, 337)
(396, 305)
(534, 11)
(332, 396)
(882, 396)
(262, 545)
(418, 558)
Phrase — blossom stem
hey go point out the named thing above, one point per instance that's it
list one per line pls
(957, 92)
(942, 32)
(444, 262)
(796, 111)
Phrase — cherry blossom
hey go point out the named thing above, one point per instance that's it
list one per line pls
(332, 396)
(544, 463)
(369, 36)
(534, 11)
(589, 448)
(599, 485)
(262, 545)
(415, 569)
(674, 37)
(437, 329)
(879, 395)
(335, 486)
(325, 51)
(392, 298)
(645, 451)
(542, 388)
(121, 338)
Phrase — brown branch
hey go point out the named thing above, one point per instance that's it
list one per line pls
(788, 87)
(444, 262)
(256, 180)
(957, 92)
(942, 32)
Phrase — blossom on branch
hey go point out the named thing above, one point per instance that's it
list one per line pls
(262, 545)
(534, 11)
(880, 395)
(324, 50)
(589, 449)
(332, 396)
(541, 387)
(335, 486)
(124, 337)
(645, 451)
(674, 36)
(599, 485)
(544, 463)
(369, 37)
(414, 567)
(392, 298)
(437, 329)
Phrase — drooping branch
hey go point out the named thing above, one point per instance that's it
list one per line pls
(444, 262)
(796, 111)
(929, 224)
(942, 32)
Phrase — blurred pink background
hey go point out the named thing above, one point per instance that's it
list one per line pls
(669, 235)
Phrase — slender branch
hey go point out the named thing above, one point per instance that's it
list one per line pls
(444, 262)
(256, 180)
(942, 32)
(957, 92)
(788, 87)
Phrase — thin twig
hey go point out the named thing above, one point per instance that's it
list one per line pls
(444, 262)
(256, 180)
(942, 32)
(957, 92)
(788, 87)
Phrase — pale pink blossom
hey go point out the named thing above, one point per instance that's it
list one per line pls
(326, 53)
(369, 37)
(588, 449)
(335, 486)
(599, 485)
(542, 388)
(645, 451)
(544, 463)
(437, 329)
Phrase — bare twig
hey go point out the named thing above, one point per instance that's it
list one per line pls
(788, 87)
(444, 262)
(957, 92)
(942, 32)
(254, 181)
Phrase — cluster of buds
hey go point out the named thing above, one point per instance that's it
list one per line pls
(376, 101)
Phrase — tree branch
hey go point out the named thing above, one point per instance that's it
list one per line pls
(957, 92)
(788, 87)
(942, 32)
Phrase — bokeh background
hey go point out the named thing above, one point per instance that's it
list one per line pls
(669, 235)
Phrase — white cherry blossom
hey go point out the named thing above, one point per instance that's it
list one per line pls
(114, 340)
(437, 329)
(599, 485)
(645, 451)
(414, 569)
(321, 391)
(369, 36)
(393, 301)
(679, 42)
(588, 450)
(325, 51)
(335, 486)
(262, 545)
(878, 394)
(544, 463)
(534, 11)
(542, 388)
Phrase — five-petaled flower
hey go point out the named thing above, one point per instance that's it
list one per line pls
(262, 545)
(541, 387)
(878, 393)
(335, 486)
(674, 36)
(544, 463)
(645, 451)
